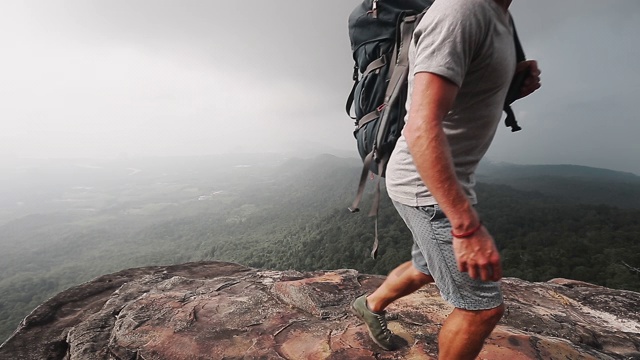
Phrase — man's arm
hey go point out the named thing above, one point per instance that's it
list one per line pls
(432, 98)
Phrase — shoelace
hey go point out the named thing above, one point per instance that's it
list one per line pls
(383, 325)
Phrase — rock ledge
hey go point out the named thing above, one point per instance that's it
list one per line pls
(215, 310)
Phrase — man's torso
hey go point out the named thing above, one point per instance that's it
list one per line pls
(469, 42)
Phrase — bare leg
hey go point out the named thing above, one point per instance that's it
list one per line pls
(463, 333)
(402, 281)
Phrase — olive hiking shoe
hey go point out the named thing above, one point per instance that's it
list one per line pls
(376, 323)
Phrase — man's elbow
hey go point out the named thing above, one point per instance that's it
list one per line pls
(413, 133)
(409, 135)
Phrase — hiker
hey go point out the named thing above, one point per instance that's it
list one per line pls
(461, 62)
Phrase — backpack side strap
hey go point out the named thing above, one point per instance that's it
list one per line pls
(363, 181)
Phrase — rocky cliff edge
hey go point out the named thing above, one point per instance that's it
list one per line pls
(215, 310)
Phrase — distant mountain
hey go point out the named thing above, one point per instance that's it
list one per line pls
(567, 183)
(493, 171)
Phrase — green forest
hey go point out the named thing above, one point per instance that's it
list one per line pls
(292, 214)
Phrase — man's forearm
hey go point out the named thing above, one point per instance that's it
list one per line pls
(432, 98)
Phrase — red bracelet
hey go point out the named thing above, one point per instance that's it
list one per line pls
(468, 233)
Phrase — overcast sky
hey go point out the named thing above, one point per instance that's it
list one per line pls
(106, 78)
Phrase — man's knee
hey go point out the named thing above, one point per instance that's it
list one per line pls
(400, 270)
(478, 321)
(418, 276)
(491, 316)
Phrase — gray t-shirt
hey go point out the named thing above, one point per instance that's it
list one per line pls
(470, 42)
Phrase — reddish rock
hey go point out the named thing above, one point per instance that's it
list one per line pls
(219, 310)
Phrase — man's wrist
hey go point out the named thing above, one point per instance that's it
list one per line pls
(468, 233)
(464, 219)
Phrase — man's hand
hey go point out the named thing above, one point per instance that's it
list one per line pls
(478, 256)
(532, 82)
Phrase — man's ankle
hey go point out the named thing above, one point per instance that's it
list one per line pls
(374, 305)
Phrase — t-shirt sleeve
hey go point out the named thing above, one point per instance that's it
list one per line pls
(447, 38)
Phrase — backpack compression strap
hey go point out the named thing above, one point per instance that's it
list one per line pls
(373, 66)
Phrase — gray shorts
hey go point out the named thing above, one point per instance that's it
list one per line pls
(432, 254)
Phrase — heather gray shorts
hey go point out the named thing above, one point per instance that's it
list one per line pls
(432, 254)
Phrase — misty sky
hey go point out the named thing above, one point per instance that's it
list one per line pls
(107, 78)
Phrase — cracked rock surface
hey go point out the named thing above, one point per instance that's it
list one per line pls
(215, 310)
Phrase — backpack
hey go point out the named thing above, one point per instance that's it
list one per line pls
(380, 32)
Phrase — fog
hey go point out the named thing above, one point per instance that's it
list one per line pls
(106, 79)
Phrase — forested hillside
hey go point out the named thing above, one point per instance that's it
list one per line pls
(266, 211)
(538, 239)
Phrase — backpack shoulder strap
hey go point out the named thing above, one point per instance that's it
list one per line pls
(514, 89)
